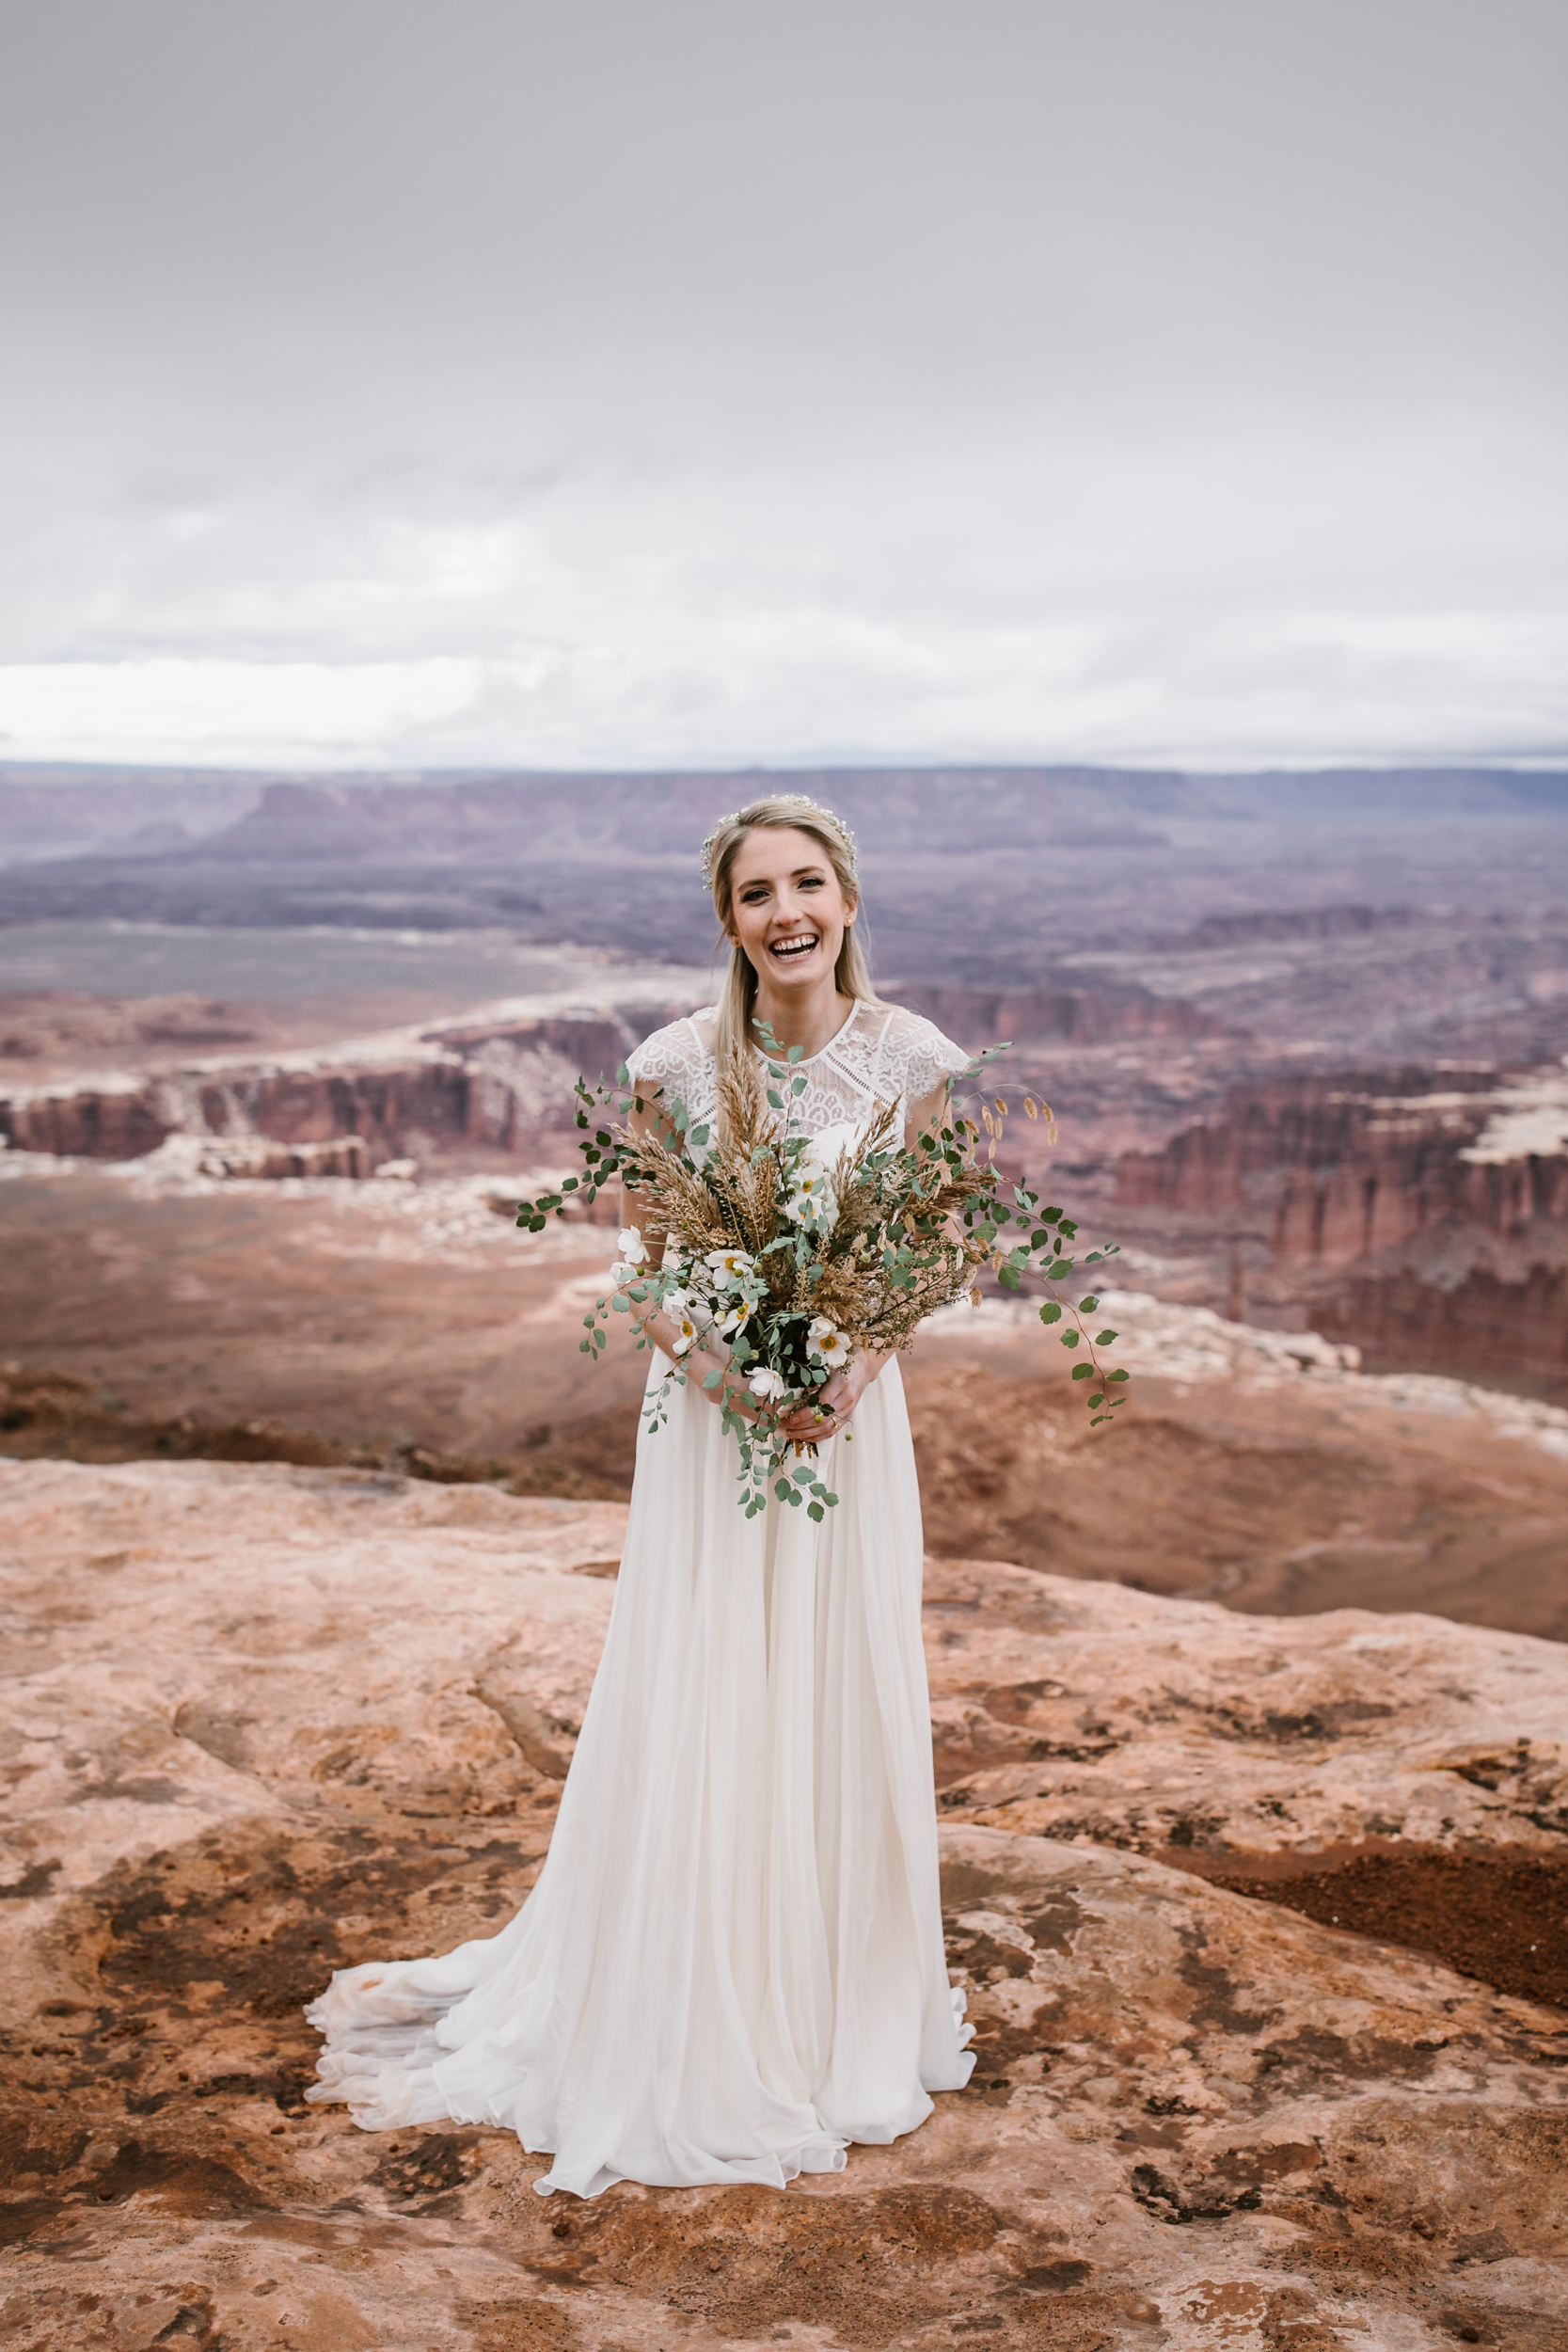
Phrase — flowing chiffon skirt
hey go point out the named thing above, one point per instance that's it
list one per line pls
(731, 1963)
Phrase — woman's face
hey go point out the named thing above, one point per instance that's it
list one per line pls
(788, 911)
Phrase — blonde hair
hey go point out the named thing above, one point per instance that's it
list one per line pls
(851, 974)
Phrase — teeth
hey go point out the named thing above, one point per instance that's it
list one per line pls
(792, 946)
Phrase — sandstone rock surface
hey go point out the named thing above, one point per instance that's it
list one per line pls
(1072, 1709)
(265, 1721)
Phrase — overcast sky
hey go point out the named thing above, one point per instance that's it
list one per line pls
(657, 381)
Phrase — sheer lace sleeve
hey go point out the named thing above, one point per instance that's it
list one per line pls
(915, 1057)
(676, 1063)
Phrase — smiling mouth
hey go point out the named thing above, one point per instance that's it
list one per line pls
(792, 950)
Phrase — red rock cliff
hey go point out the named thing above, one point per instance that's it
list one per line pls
(496, 1084)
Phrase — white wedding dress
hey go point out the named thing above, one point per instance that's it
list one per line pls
(731, 1963)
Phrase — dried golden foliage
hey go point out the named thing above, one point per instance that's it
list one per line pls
(894, 1251)
(868, 1248)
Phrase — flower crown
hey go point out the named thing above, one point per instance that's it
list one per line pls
(801, 800)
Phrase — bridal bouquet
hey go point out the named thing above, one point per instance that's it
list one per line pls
(796, 1259)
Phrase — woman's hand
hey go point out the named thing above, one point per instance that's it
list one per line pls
(827, 1414)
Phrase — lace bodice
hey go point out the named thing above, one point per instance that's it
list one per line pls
(883, 1054)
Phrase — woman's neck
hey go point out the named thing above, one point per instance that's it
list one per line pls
(807, 1018)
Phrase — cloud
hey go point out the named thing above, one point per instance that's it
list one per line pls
(820, 688)
(510, 383)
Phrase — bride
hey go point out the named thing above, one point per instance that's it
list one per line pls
(731, 1963)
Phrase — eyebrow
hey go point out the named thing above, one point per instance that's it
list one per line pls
(818, 866)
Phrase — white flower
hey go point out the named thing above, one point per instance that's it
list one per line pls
(732, 1319)
(630, 1247)
(828, 1343)
(765, 1385)
(811, 1197)
(678, 1308)
(729, 1265)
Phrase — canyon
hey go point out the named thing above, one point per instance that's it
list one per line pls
(1247, 1713)
(1416, 1208)
(1343, 1115)
(1429, 1225)
(980, 874)
(489, 1084)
